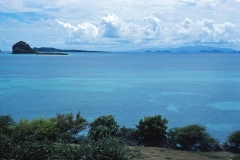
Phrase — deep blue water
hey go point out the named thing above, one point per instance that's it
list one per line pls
(184, 88)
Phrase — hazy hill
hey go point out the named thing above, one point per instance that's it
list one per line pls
(195, 49)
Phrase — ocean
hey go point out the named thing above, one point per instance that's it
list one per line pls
(184, 88)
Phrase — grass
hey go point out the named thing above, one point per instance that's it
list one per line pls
(154, 153)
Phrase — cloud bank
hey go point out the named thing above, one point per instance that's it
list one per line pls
(119, 25)
(112, 29)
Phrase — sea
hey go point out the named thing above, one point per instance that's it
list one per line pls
(184, 88)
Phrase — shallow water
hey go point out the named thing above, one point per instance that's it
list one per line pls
(184, 88)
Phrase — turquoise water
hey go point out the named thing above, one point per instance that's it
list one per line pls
(184, 88)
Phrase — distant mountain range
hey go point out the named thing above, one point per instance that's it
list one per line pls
(192, 49)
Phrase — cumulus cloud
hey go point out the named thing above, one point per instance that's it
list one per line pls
(204, 31)
(131, 22)
(154, 26)
(217, 33)
(183, 30)
(111, 26)
(81, 33)
(112, 29)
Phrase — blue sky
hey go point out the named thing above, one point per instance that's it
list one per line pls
(120, 24)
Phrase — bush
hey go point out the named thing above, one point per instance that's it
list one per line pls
(6, 122)
(236, 157)
(192, 138)
(68, 126)
(71, 152)
(35, 130)
(110, 148)
(6, 131)
(152, 130)
(104, 126)
(32, 150)
(128, 135)
(234, 141)
(5, 146)
(62, 128)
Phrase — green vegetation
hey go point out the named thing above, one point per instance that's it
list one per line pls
(192, 138)
(102, 127)
(59, 138)
(128, 135)
(152, 131)
(68, 126)
(233, 143)
(236, 157)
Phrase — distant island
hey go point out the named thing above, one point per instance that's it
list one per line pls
(211, 51)
(163, 51)
(51, 49)
(22, 47)
(189, 49)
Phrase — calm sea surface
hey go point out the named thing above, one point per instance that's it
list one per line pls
(185, 88)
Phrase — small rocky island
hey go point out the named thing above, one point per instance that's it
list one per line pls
(22, 47)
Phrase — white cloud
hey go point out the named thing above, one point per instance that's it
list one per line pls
(210, 3)
(111, 26)
(121, 21)
(216, 33)
(82, 33)
(112, 29)
(183, 30)
(205, 31)
(154, 26)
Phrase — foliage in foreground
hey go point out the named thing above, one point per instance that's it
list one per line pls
(233, 143)
(236, 157)
(192, 138)
(53, 138)
(103, 149)
(104, 126)
(152, 131)
(37, 139)
(61, 128)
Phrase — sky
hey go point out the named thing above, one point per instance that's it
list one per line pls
(118, 25)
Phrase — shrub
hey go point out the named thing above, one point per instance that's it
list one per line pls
(110, 148)
(128, 135)
(6, 122)
(5, 146)
(32, 150)
(69, 126)
(234, 141)
(152, 130)
(35, 130)
(71, 152)
(236, 157)
(192, 138)
(104, 126)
